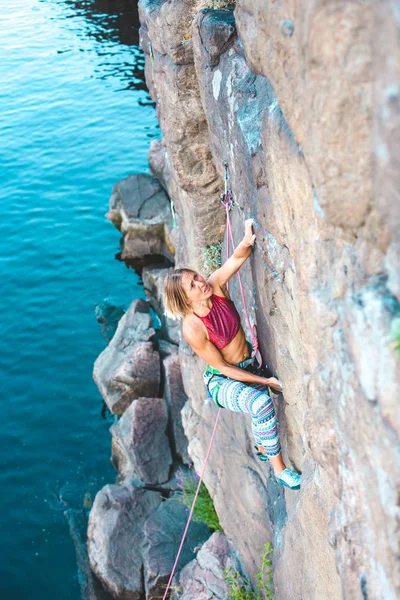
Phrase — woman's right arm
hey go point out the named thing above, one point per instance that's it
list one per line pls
(211, 355)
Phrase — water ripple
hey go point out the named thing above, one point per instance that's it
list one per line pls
(75, 119)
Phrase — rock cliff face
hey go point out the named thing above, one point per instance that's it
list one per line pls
(302, 99)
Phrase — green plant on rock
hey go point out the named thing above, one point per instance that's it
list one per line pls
(211, 256)
(240, 588)
(204, 511)
(395, 334)
(264, 576)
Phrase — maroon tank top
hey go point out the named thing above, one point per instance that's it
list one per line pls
(222, 322)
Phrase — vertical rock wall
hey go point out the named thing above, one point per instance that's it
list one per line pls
(302, 99)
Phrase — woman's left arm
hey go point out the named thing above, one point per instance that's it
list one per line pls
(234, 262)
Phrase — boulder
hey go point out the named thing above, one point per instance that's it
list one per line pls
(129, 367)
(153, 280)
(140, 209)
(175, 397)
(140, 444)
(108, 315)
(91, 587)
(163, 533)
(204, 577)
(157, 161)
(115, 534)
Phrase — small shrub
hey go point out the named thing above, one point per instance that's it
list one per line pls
(204, 511)
(239, 587)
(264, 577)
(211, 257)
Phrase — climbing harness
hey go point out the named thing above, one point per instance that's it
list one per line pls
(228, 203)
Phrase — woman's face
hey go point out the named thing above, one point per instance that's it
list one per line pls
(196, 287)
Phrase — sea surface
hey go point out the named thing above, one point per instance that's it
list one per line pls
(75, 118)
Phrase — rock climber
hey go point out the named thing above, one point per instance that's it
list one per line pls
(211, 325)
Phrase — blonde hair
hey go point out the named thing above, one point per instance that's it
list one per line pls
(175, 300)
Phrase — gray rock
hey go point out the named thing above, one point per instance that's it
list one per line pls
(166, 348)
(91, 588)
(167, 40)
(192, 178)
(115, 535)
(163, 533)
(392, 267)
(140, 445)
(329, 82)
(204, 578)
(108, 315)
(157, 161)
(153, 280)
(140, 209)
(175, 396)
(130, 366)
(218, 33)
(386, 141)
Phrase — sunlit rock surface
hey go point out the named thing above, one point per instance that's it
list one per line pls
(140, 443)
(204, 577)
(115, 536)
(140, 209)
(175, 396)
(162, 537)
(301, 99)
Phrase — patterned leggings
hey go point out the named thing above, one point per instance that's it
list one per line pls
(247, 398)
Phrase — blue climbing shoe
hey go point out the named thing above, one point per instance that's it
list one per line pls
(260, 455)
(289, 479)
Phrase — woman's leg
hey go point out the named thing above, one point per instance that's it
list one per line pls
(276, 461)
(239, 397)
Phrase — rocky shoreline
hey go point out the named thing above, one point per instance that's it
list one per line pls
(135, 526)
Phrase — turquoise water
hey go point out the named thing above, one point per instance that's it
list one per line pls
(75, 118)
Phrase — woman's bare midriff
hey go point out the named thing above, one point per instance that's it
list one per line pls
(237, 350)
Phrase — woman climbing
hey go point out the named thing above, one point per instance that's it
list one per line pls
(211, 325)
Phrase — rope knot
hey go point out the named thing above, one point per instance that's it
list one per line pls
(226, 201)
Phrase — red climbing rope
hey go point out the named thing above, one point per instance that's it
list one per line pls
(193, 504)
(227, 202)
